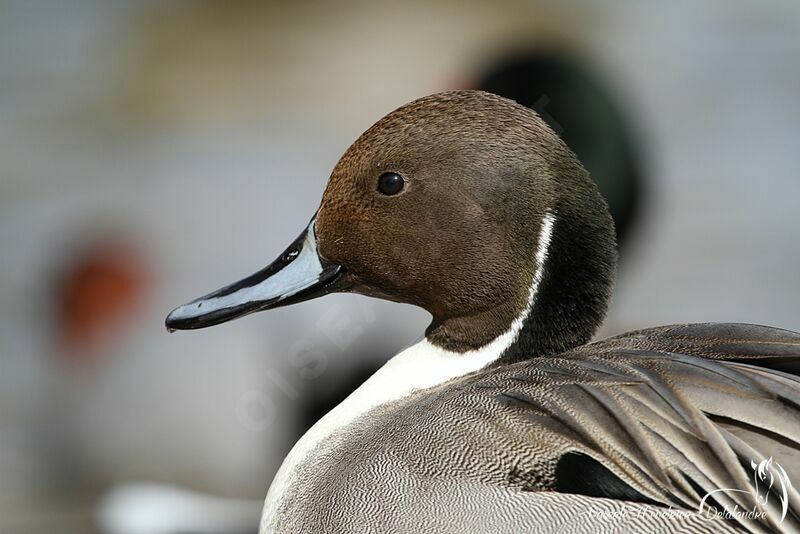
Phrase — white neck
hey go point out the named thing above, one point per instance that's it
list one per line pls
(420, 366)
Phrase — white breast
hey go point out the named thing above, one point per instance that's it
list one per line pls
(421, 366)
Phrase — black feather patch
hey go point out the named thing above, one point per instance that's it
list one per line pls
(580, 474)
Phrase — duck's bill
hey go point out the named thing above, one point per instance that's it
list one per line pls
(299, 274)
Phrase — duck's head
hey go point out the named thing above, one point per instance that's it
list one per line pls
(465, 204)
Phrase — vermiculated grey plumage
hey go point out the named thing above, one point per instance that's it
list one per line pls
(673, 412)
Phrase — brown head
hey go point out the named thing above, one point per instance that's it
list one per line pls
(465, 204)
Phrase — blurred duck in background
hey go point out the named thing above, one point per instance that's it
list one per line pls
(589, 120)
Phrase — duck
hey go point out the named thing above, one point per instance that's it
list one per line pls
(505, 416)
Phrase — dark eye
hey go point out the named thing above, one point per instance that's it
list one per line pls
(390, 183)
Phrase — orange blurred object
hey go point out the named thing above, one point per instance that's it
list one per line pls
(97, 291)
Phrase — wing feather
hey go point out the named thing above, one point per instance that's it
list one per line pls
(677, 413)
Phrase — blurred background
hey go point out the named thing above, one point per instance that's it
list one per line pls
(151, 151)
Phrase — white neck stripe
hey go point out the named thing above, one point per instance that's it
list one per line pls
(510, 337)
(420, 366)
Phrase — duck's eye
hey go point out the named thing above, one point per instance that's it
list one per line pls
(390, 183)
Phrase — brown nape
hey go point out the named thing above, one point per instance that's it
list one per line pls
(481, 172)
(578, 277)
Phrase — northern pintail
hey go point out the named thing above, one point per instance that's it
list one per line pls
(502, 418)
